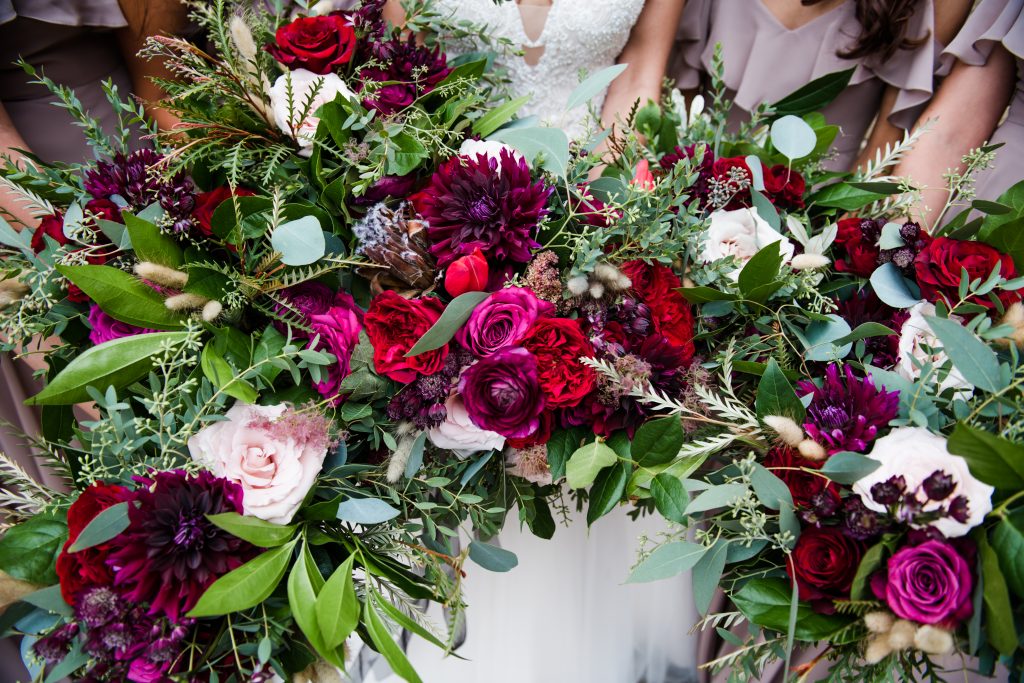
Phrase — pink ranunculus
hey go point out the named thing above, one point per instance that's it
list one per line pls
(273, 452)
(339, 328)
(458, 433)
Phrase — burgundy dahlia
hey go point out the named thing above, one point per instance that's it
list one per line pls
(864, 307)
(137, 180)
(403, 71)
(171, 552)
(483, 203)
(847, 411)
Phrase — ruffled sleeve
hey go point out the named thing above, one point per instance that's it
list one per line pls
(991, 22)
(691, 41)
(98, 13)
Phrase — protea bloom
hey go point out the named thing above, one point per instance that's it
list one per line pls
(847, 411)
(483, 203)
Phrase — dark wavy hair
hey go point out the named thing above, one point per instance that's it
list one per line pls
(884, 25)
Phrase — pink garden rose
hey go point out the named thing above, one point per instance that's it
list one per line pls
(458, 433)
(273, 452)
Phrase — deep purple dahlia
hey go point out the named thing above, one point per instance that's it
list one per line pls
(847, 411)
(137, 180)
(483, 203)
(866, 307)
(405, 72)
(171, 552)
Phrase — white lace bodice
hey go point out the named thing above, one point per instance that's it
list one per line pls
(579, 36)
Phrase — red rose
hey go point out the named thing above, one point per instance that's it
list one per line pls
(207, 203)
(51, 226)
(658, 288)
(394, 324)
(104, 209)
(785, 187)
(784, 463)
(317, 44)
(87, 568)
(731, 171)
(467, 274)
(858, 238)
(824, 563)
(558, 344)
(939, 264)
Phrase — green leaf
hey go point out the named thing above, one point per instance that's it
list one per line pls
(607, 491)
(498, 116)
(28, 551)
(766, 210)
(563, 444)
(403, 620)
(865, 331)
(74, 660)
(846, 467)
(152, 245)
(892, 288)
(416, 456)
(715, 497)
(491, 557)
(769, 489)
(975, 359)
(761, 269)
(455, 316)
(551, 144)
(766, 602)
(404, 154)
(707, 574)
(1008, 238)
(821, 337)
(593, 86)
(302, 599)
(224, 377)
(207, 282)
(246, 586)
(670, 497)
(814, 96)
(793, 137)
(703, 295)
(586, 462)
(658, 441)
(365, 511)
(123, 297)
(386, 645)
(49, 599)
(776, 396)
(998, 609)
(994, 460)
(1008, 543)
(300, 241)
(116, 363)
(257, 531)
(845, 196)
(667, 561)
(106, 525)
(869, 564)
(338, 607)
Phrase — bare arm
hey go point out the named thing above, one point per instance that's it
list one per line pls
(967, 107)
(10, 207)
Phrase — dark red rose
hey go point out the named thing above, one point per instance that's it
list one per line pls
(207, 203)
(51, 226)
(940, 263)
(558, 344)
(785, 187)
(734, 173)
(784, 463)
(317, 44)
(824, 563)
(104, 209)
(857, 239)
(394, 324)
(658, 287)
(87, 568)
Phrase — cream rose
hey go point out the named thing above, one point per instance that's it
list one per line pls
(287, 111)
(741, 234)
(458, 433)
(915, 453)
(915, 335)
(273, 452)
(491, 148)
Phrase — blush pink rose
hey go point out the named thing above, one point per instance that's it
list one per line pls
(273, 452)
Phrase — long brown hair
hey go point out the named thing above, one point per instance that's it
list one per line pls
(884, 25)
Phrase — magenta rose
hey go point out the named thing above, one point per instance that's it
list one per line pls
(105, 328)
(338, 328)
(502, 393)
(930, 583)
(502, 320)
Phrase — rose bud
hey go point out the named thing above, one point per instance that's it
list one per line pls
(643, 178)
(467, 274)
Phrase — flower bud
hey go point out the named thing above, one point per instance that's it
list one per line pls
(185, 302)
(1014, 317)
(467, 274)
(161, 275)
(789, 431)
(578, 285)
(12, 291)
(596, 290)
(643, 178)
(212, 311)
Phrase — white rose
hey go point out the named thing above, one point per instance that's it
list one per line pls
(272, 452)
(287, 111)
(492, 149)
(916, 334)
(740, 234)
(458, 433)
(915, 453)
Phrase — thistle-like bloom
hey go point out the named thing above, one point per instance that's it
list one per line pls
(171, 552)
(847, 411)
(483, 203)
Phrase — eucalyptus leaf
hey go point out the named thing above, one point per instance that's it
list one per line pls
(769, 489)
(105, 526)
(455, 316)
(491, 557)
(551, 144)
(594, 85)
(821, 338)
(668, 560)
(365, 511)
(300, 241)
(793, 137)
(892, 288)
(707, 574)
(846, 467)
(975, 359)
(716, 497)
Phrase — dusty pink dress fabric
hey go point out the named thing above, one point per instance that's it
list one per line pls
(993, 23)
(764, 61)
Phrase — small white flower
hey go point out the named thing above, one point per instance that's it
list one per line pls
(492, 149)
(741, 234)
(915, 335)
(915, 453)
(289, 111)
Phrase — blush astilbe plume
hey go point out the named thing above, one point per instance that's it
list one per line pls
(847, 411)
(485, 203)
(171, 552)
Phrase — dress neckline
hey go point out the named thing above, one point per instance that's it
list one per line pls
(801, 27)
(514, 7)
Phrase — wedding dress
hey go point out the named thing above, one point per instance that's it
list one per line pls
(564, 614)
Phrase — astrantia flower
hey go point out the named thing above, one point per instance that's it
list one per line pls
(404, 71)
(483, 203)
(171, 552)
(846, 411)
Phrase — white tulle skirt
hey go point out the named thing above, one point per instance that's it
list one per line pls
(565, 615)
